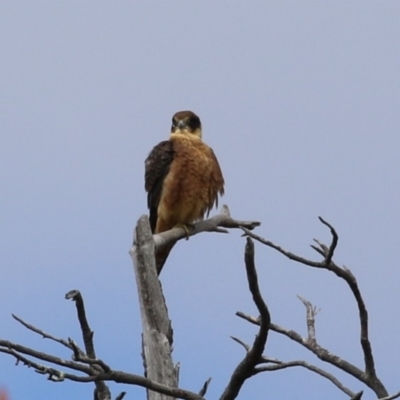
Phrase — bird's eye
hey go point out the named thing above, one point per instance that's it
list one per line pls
(193, 122)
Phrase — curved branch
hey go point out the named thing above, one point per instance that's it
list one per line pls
(310, 367)
(245, 368)
(335, 239)
(369, 377)
(392, 397)
(96, 377)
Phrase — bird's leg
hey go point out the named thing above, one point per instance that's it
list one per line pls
(186, 227)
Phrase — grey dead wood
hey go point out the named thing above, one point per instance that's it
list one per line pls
(157, 330)
(217, 223)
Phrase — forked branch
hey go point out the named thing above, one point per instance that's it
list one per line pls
(85, 368)
(368, 376)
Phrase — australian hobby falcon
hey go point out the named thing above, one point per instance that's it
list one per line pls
(182, 179)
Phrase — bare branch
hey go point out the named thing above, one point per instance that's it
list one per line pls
(7, 345)
(322, 353)
(120, 396)
(311, 313)
(278, 365)
(357, 396)
(369, 378)
(53, 374)
(94, 362)
(214, 224)
(115, 376)
(237, 340)
(101, 392)
(44, 334)
(203, 390)
(244, 370)
(310, 367)
(87, 333)
(335, 239)
(123, 377)
(392, 397)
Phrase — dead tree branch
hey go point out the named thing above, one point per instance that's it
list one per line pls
(204, 389)
(311, 313)
(278, 364)
(42, 333)
(392, 397)
(87, 333)
(157, 330)
(101, 392)
(245, 368)
(95, 370)
(368, 376)
(310, 367)
(214, 224)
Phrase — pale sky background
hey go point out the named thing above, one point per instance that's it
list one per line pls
(299, 100)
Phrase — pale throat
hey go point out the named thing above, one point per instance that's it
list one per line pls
(185, 134)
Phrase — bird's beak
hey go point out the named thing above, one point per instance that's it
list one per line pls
(181, 124)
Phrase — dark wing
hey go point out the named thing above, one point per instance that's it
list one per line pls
(216, 186)
(157, 166)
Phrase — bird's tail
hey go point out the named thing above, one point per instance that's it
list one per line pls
(161, 256)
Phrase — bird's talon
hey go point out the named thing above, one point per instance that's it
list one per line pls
(186, 227)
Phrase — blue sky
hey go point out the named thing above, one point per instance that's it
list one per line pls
(300, 102)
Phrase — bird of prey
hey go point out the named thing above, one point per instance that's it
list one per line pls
(182, 179)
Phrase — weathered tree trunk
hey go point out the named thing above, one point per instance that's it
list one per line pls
(157, 330)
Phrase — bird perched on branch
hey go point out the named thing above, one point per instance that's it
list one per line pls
(182, 179)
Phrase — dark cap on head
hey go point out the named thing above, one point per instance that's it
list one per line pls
(185, 120)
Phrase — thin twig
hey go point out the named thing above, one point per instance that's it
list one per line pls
(7, 345)
(237, 340)
(203, 390)
(44, 334)
(120, 396)
(392, 397)
(310, 367)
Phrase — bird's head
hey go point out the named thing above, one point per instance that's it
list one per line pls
(186, 123)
